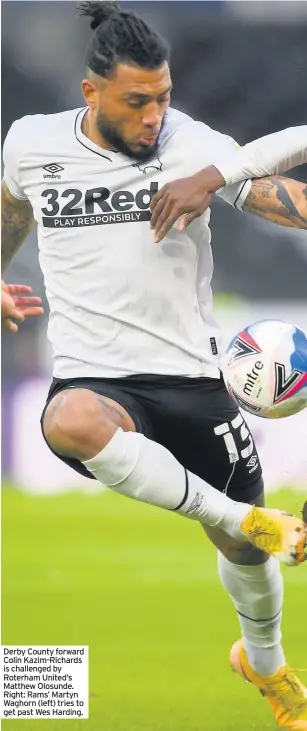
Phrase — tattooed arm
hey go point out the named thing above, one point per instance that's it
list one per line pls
(16, 223)
(281, 200)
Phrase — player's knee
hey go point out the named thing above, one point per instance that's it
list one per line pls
(76, 425)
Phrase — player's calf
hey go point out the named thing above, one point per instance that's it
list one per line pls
(239, 552)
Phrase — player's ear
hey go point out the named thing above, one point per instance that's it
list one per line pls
(89, 90)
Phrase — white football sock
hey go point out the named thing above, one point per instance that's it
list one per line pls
(144, 470)
(257, 593)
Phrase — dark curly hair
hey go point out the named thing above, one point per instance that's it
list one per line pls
(121, 37)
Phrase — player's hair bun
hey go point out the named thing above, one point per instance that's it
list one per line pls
(99, 11)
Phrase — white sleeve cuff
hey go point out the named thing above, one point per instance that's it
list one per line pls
(244, 191)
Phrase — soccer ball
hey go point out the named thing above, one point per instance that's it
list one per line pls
(265, 369)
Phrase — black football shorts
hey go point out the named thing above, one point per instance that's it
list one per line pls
(195, 418)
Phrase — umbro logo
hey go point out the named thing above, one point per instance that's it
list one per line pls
(195, 504)
(53, 169)
(252, 463)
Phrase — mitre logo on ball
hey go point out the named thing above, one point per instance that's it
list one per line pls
(265, 369)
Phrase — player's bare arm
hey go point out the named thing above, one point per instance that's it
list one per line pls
(281, 200)
(278, 199)
(16, 223)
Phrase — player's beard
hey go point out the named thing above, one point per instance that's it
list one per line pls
(112, 136)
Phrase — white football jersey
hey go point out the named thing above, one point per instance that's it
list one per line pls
(119, 304)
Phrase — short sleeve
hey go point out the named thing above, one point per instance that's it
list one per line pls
(207, 148)
(11, 160)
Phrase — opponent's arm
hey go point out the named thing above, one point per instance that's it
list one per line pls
(278, 199)
(16, 223)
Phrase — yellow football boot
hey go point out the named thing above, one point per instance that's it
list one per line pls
(285, 693)
(278, 534)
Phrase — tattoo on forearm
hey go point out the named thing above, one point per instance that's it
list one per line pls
(284, 197)
(16, 223)
(281, 200)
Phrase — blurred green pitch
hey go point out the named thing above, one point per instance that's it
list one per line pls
(140, 587)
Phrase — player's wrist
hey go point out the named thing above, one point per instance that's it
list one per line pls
(210, 179)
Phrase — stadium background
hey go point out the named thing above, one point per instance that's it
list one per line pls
(135, 584)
